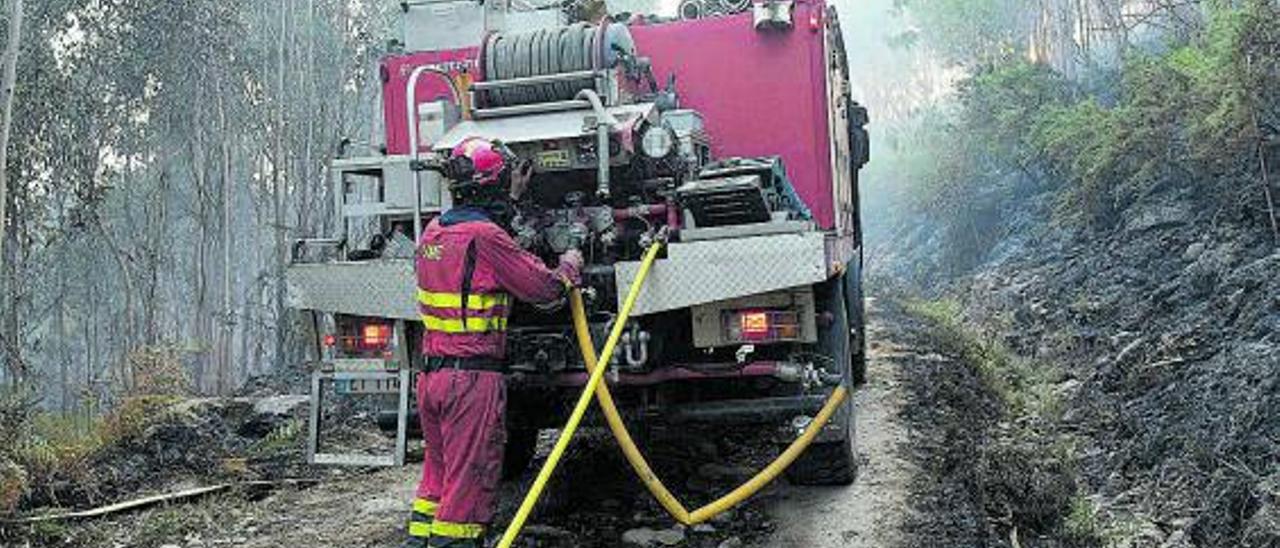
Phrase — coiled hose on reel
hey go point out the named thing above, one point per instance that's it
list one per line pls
(543, 52)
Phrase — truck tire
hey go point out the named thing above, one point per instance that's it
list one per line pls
(522, 443)
(825, 464)
(833, 462)
(857, 309)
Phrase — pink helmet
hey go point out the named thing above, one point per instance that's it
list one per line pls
(486, 160)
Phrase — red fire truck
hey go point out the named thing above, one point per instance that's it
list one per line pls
(730, 131)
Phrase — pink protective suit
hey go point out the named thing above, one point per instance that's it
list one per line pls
(468, 271)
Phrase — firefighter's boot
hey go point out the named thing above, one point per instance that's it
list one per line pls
(445, 542)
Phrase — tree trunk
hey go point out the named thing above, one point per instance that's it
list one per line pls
(11, 51)
(277, 163)
(13, 359)
(227, 325)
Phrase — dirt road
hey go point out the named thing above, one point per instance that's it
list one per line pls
(870, 512)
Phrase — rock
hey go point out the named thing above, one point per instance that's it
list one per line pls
(269, 413)
(280, 405)
(640, 537)
(1179, 539)
(731, 542)
(725, 517)
(672, 536)
(1193, 252)
(1152, 216)
(547, 532)
(704, 529)
(645, 537)
(1146, 532)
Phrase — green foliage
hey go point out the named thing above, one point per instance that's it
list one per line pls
(281, 439)
(1082, 525)
(13, 485)
(1027, 465)
(36, 446)
(1001, 104)
(1025, 387)
(1190, 118)
(1187, 117)
(157, 371)
(134, 414)
(60, 444)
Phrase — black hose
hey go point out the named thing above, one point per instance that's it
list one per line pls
(550, 51)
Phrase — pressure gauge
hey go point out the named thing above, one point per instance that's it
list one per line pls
(658, 142)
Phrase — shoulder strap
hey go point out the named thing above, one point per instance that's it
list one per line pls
(468, 272)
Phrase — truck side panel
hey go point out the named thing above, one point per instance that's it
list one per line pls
(396, 71)
(760, 92)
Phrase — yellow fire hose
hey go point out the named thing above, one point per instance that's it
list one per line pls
(645, 472)
(580, 409)
(623, 436)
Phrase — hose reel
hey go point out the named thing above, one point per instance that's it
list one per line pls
(548, 65)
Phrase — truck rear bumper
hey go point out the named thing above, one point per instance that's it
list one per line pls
(783, 371)
(753, 411)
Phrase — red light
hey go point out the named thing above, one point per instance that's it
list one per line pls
(330, 340)
(375, 335)
(815, 22)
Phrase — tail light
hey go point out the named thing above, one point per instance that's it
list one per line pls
(330, 341)
(375, 336)
(761, 326)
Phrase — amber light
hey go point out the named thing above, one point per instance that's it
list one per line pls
(375, 335)
(755, 324)
(762, 326)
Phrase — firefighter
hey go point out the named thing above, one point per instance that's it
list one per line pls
(469, 270)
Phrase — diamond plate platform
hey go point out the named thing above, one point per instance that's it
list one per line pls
(384, 289)
(708, 271)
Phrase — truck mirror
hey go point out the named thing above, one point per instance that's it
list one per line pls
(859, 138)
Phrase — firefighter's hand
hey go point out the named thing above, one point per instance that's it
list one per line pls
(520, 177)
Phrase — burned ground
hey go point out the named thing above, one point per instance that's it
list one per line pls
(1163, 335)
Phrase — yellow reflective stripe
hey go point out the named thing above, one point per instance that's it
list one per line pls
(425, 506)
(474, 325)
(456, 530)
(454, 300)
(419, 529)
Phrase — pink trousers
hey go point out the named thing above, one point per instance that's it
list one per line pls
(463, 425)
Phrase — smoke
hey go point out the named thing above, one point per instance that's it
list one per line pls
(900, 80)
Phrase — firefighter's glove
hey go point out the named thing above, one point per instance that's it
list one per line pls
(571, 267)
(520, 177)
